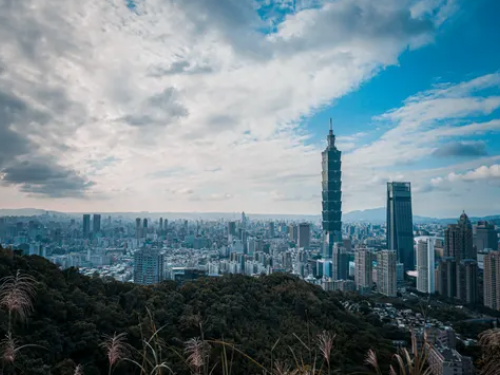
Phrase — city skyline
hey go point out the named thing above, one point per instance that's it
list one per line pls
(226, 111)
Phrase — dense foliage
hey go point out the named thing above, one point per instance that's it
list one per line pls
(71, 313)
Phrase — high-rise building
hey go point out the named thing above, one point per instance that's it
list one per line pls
(271, 229)
(293, 233)
(458, 240)
(400, 222)
(467, 281)
(145, 223)
(363, 270)
(96, 223)
(148, 266)
(86, 226)
(304, 235)
(340, 262)
(231, 229)
(486, 236)
(332, 192)
(426, 266)
(138, 228)
(160, 225)
(492, 280)
(386, 273)
(447, 275)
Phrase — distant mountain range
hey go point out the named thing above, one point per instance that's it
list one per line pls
(378, 215)
(373, 215)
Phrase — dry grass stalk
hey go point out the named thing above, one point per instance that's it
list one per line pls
(16, 294)
(115, 348)
(9, 349)
(325, 345)
(78, 370)
(490, 344)
(196, 350)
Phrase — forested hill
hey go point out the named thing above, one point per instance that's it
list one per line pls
(72, 313)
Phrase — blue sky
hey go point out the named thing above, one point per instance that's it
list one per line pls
(223, 105)
(465, 48)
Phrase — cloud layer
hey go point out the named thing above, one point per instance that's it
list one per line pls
(199, 105)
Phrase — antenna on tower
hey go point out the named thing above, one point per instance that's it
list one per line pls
(331, 125)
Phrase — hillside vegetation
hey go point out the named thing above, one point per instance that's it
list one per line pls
(240, 318)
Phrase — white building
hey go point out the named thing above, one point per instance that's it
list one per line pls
(425, 266)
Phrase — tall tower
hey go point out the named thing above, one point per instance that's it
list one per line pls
(86, 226)
(458, 240)
(400, 222)
(96, 223)
(332, 193)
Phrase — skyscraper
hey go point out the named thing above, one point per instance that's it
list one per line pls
(231, 229)
(467, 282)
(271, 229)
(363, 270)
(148, 266)
(304, 235)
(96, 223)
(492, 280)
(386, 273)
(486, 236)
(425, 266)
(160, 226)
(332, 192)
(138, 228)
(400, 222)
(86, 225)
(340, 262)
(293, 233)
(458, 240)
(447, 275)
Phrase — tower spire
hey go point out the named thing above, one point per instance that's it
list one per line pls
(331, 136)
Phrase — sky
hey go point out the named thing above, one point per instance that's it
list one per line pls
(224, 105)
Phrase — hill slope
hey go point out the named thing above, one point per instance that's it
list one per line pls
(72, 312)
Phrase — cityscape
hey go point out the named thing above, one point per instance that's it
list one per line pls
(460, 261)
(238, 187)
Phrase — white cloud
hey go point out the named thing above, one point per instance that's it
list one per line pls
(193, 87)
(422, 127)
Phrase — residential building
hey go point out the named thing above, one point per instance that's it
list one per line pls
(426, 266)
(386, 273)
(363, 270)
(446, 361)
(491, 280)
(148, 266)
(400, 222)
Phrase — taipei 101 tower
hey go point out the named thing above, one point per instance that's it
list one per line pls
(332, 194)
